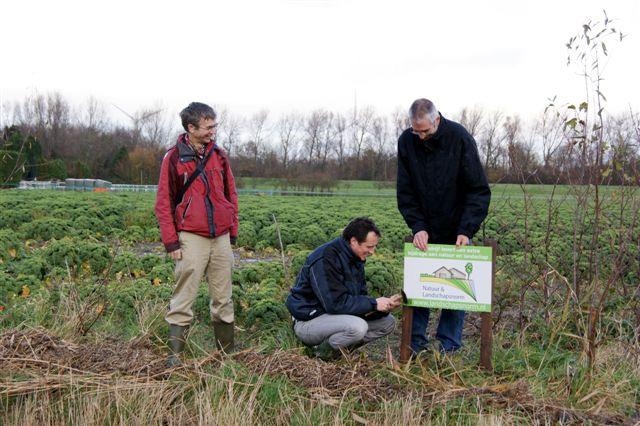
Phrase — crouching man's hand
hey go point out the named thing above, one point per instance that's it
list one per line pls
(397, 300)
(386, 304)
(383, 304)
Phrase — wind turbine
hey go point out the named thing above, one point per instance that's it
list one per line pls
(138, 119)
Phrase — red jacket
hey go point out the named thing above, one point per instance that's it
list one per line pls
(209, 207)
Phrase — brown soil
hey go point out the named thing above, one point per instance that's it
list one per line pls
(240, 255)
(38, 349)
(145, 248)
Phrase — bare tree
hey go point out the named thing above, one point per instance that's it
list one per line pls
(624, 148)
(313, 128)
(523, 164)
(340, 142)
(57, 113)
(326, 139)
(491, 141)
(551, 130)
(33, 116)
(471, 119)
(510, 149)
(400, 121)
(6, 108)
(14, 114)
(229, 130)
(288, 126)
(93, 116)
(34, 111)
(382, 146)
(361, 128)
(512, 128)
(258, 134)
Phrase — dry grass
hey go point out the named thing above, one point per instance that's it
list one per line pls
(37, 349)
(51, 381)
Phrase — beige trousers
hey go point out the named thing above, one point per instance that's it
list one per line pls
(200, 256)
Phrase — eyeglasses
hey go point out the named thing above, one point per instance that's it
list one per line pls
(420, 133)
(210, 128)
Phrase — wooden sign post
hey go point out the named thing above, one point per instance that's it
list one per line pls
(486, 334)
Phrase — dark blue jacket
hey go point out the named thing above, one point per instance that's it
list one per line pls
(441, 186)
(331, 281)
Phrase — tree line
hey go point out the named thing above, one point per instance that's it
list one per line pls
(46, 137)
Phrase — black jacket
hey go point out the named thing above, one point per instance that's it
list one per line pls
(441, 186)
(331, 281)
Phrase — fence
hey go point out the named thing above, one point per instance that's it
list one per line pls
(97, 185)
(90, 185)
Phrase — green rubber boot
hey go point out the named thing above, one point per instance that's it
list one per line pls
(176, 344)
(224, 335)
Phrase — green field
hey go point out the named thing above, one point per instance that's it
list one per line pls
(387, 189)
(84, 285)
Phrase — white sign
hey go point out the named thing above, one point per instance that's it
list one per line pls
(447, 277)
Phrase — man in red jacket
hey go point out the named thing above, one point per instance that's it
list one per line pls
(197, 209)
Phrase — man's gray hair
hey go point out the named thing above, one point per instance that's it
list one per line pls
(421, 108)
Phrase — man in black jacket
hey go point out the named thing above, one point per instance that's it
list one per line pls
(329, 303)
(443, 196)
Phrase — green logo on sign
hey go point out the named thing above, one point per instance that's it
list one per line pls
(452, 277)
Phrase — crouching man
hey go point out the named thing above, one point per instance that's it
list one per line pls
(329, 303)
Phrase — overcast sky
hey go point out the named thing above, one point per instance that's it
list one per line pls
(300, 55)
